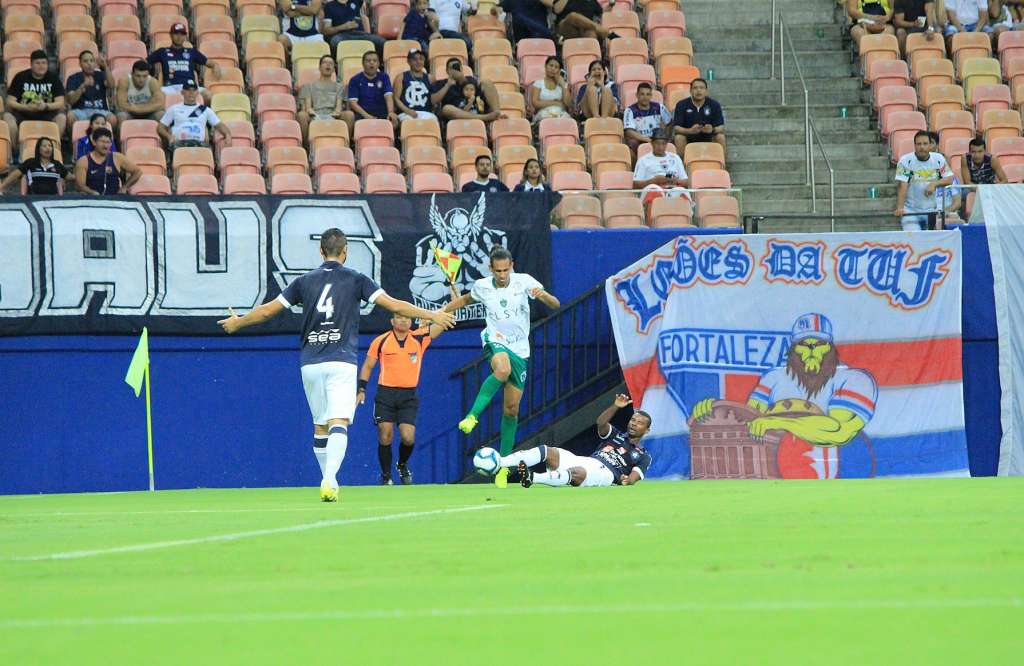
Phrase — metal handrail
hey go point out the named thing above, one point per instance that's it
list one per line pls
(812, 137)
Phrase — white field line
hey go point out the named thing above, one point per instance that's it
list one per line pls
(64, 514)
(506, 611)
(235, 536)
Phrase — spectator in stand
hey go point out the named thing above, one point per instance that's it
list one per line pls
(645, 118)
(912, 16)
(471, 101)
(965, 16)
(84, 144)
(1016, 8)
(660, 173)
(948, 200)
(299, 22)
(1000, 18)
(979, 168)
(551, 96)
(870, 17)
(533, 178)
(369, 92)
(579, 18)
(178, 63)
(698, 118)
(449, 19)
(420, 24)
(103, 172)
(918, 175)
(35, 94)
(139, 95)
(529, 17)
(483, 181)
(184, 125)
(412, 90)
(322, 99)
(43, 173)
(347, 21)
(448, 94)
(87, 93)
(599, 96)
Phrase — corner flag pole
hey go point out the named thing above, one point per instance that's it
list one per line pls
(149, 432)
(138, 372)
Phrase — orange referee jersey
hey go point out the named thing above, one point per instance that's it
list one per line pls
(400, 360)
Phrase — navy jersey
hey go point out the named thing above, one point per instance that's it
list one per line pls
(620, 455)
(330, 296)
(177, 65)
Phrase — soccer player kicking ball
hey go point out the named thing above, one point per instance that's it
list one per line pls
(619, 459)
(506, 297)
(330, 296)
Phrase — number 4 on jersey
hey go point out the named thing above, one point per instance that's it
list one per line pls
(325, 304)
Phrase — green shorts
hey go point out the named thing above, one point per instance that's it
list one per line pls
(519, 364)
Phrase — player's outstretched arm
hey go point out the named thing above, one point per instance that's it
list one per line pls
(546, 298)
(257, 315)
(604, 418)
(631, 479)
(458, 302)
(442, 318)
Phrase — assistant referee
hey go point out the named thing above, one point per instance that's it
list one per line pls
(400, 354)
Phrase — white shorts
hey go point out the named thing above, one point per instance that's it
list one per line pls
(597, 473)
(176, 88)
(308, 38)
(330, 390)
(420, 115)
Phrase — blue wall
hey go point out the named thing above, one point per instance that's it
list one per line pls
(230, 412)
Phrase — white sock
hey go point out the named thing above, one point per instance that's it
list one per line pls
(320, 451)
(531, 457)
(553, 478)
(337, 444)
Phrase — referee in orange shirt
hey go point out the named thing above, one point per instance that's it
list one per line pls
(400, 354)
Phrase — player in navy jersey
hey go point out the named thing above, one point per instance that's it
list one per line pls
(330, 296)
(619, 459)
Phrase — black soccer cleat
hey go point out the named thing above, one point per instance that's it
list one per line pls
(404, 473)
(525, 475)
(385, 480)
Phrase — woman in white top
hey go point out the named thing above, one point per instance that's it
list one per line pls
(533, 178)
(550, 97)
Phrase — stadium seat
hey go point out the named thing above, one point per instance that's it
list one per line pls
(463, 160)
(385, 183)
(123, 53)
(231, 81)
(709, 179)
(510, 132)
(221, 53)
(247, 8)
(944, 98)
(892, 99)
(623, 23)
(671, 213)
(1014, 173)
(74, 26)
(630, 76)
(1011, 45)
(334, 159)
(204, 8)
(719, 211)
(579, 181)
(338, 183)
(902, 127)
(597, 131)
(950, 125)
(270, 80)
(580, 211)
(324, 133)
(979, 71)
(215, 27)
(275, 106)
(232, 106)
(396, 51)
(708, 155)
(286, 159)
(606, 157)
(371, 133)
(264, 54)
(116, 29)
(416, 133)
(487, 52)
(196, 184)
(108, 8)
(513, 104)
(557, 132)
(928, 72)
(483, 26)
(425, 159)
(511, 161)
(245, 183)
(151, 185)
(665, 24)
(68, 53)
(236, 160)
(352, 51)
(191, 161)
(564, 158)
(242, 134)
(379, 159)
(291, 183)
(259, 28)
(279, 134)
(877, 47)
(139, 133)
(673, 52)
(580, 51)
(968, 45)
(441, 50)
(623, 213)
(920, 48)
(30, 131)
(307, 55)
(1009, 150)
(159, 26)
(150, 160)
(462, 133)
(626, 51)
(531, 54)
(615, 180)
(888, 73)
(676, 80)
(998, 124)
(504, 77)
(426, 183)
(26, 28)
(957, 148)
(985, 97)
(645, 148)
(58, 7)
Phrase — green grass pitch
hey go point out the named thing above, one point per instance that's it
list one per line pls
(852, 572)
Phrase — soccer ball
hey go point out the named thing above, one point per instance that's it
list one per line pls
(487, 461)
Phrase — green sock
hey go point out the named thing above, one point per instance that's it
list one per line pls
(486, 394)
(508, 433)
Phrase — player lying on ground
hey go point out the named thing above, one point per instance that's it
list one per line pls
(330, 296)
(619, 459)
(506, 296)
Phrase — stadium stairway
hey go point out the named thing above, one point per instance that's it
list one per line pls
(765, 139)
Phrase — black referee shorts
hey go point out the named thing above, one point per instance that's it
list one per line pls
(395, 405)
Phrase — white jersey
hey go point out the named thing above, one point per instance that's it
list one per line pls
(918, 173)
(188, 122)
(650, 165)
(508, 311)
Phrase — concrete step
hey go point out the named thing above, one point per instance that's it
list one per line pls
(796, 137)
(752, 195)
(793, 86)
(750, 14)
(761, 42)
(796, 176)
(780, 164)
(883, 207)
(837, 99)
(797, 124)
(798, 226)
(772, 153)
(757, 64)
(820, 112)
(709, 34)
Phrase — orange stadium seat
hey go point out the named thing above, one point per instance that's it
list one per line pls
(927, 72)
(580, 211)
(919, 48)
(238, 160)
(630, 76)
(379, 159)
(139, 133)
(327, 133)
(1014, 173)
(203, 8)
(247, 8)
(1000, 124)
(425, 159)
(671, 213)
(215, 27)
(1011, 45)
(420, 132)
(286, 159)
(74, 26)
(902, 127)
(192, 161)
(264, 54)
(242, 134)
(673, 52)
(108, 8)
(957, 148)
(708, 155)
(245, 183)
(124, 53)
(968, 45)
(944, 98)
(275, 106)
(426, 183)
(231, 81)
(338, 183)
(531, 53)
(463, 160)
(291, 183)
(510, 132)
(197, 185)
(709, 179)
(513, 104)
(371, 133)
(892, 99)
(580, 51)
(222, 53)
(492, 52)
(884, 73)
(150, 160)
(578, 181)
(623, 23)
(332, 159)
(483, 26)
(279, 134)
(396, 51)
(1009, 150)
(504, 77)
(442, 50)
(24, 28)
(306, 55)
(120, 29)
(677, 79)
(385, 183)
(877, 47)
(270, 80)
(624, 213)
(665, 24)
(615, 180)
(68, 54)
(980, 71)
(989, 96)
(719, 211)
(627, 52)
(151, 185)
(161, 7)
(461, 133)
(64, 8)
(602, 130)
(159, 27)
(564, 158)
(606, 157)
(259, 28)
(558, 131)
(511, 161)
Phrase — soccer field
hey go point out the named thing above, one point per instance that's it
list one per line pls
(867, 572)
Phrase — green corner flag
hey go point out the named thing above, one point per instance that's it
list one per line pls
(138, 372)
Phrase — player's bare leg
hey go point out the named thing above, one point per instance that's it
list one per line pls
(406, 441)
(337, 444)
(385, 435)
(501, 369)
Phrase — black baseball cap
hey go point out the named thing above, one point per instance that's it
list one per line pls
(190, 85)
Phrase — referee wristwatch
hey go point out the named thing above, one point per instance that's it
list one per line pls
(362, 386)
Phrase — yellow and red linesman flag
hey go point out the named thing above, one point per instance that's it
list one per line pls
(449, 262)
